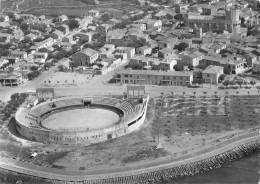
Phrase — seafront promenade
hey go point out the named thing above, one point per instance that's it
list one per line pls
(189, 164)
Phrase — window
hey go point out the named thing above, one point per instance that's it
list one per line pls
(181, 78)
(130, 75)
(174, 78)
(207, 75)
(125, 75)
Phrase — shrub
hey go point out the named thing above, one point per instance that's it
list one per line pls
(221, 87)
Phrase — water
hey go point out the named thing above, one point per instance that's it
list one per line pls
(244, 171)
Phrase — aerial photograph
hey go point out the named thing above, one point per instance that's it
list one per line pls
(129, 91)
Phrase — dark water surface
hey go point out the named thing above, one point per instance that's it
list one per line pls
(244, 171)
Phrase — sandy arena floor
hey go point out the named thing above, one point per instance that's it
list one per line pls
(81, 118)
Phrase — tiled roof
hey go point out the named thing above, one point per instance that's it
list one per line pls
(154, 72)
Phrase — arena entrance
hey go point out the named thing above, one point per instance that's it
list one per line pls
(135, 91)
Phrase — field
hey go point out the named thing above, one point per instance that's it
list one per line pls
(81, 118)
(66, 79)
(181, 124)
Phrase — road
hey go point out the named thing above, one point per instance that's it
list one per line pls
(59, 174)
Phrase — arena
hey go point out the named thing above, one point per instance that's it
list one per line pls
(85, 119)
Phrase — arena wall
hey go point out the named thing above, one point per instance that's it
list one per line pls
(78, 135)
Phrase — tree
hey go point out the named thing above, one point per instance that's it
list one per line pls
(221, 77)
(179, 17)
(178, 67)
(105, 17)
(137, 67)
(61, 68)
(190, 66)
(43, 50)
(24, 27)
(253, 83)
(240, 82)
(73, 24)
(73, 65)
(182, 46)
(226, 83)
(33, 68)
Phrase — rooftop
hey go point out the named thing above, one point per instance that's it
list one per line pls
(155, 72)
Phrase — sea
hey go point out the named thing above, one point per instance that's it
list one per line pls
(243, 171)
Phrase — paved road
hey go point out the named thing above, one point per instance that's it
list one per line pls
(59, 174)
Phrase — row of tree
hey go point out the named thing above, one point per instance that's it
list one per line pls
(239, 82)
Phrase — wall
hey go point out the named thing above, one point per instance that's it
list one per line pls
(86, 136)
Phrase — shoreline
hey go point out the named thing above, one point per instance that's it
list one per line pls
(188, 167)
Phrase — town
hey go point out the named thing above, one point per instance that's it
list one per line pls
(183, 45)
(138, 91)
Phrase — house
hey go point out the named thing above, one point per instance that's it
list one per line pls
(57, 35)
(68, 38)
(165, 14)
(85, 36)
(4, 18)
(113, 21)
(165, 52)
(116, 36)
(64, 29)
(3, 63)
(93, 13)
(42, 17)
(130, 51)
(18, 54)
(83, 23)
(85, 57)
(256, 67)
(43, 44)
(234, 65)
(164, 42)
(144, 50)
(103, 28)
(211, 74)
(27, 66)
(40, 55)
(31, 36)
(27, 17)
(12, 79)
(107, 51)
(5, 38)
(250, 59)
(153, 77)
(151, 23)
(18, 35)
(191, 58)
(62, 18)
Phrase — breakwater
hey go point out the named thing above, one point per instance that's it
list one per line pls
(188, 167)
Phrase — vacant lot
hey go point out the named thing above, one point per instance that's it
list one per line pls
(182, 125)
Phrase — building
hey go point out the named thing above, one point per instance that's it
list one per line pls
(40, 55)
(62, 18)
(130, 51)
(93, 13)
(5, 38)
(12, 79)
(19, 54)
(230, 22)
(211, 74)
(256, 67)
(57, 35)
(85, 57)
(191, 58)
(145, 50)
(153, 77)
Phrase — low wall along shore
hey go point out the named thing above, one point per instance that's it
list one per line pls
(189, 167)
